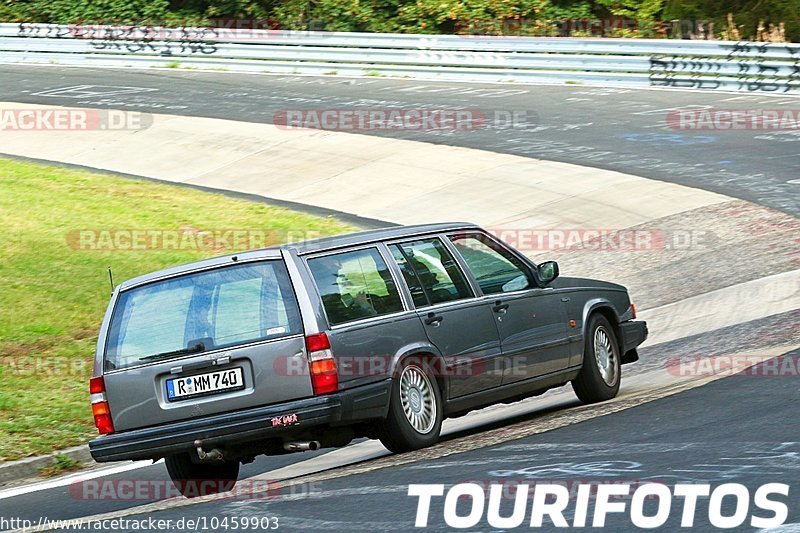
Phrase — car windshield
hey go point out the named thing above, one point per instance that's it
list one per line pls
(199, 312)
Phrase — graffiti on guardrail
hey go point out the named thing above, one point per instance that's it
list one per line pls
(130, 38)
(164, 41)
(696, 65)
(746, 67)
(671, 73)
(735, 66)
(747, 49)
(49, 31)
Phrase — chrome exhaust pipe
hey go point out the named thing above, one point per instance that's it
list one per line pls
(302, 446)
(214, 455)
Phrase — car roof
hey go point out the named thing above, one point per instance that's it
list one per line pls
(304, 247)
(382, 234)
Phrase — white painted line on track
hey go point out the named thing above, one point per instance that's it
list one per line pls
(71, 478)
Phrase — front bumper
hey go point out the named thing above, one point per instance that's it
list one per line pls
(361, 403)
(633, 333)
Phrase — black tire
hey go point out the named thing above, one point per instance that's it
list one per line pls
(593, 384)
(201, 479)
(396, 432)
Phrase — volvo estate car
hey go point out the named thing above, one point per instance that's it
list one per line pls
(380, 334)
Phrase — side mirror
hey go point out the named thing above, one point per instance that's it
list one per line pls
(548, 271)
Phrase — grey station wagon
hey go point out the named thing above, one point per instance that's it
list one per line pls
(379, 334)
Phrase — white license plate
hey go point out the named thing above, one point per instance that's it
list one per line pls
(202, 384)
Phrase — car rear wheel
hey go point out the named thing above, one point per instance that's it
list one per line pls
(415, 410)
(201, 479)
(599, 377)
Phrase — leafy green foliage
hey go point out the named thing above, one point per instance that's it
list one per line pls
(70, 11)
(514, 17)
(635, 9)
(336, 15)
(747, 14)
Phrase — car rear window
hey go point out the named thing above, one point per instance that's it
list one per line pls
(200, 312)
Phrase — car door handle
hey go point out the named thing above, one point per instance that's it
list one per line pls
(433, 319)
(500, 307)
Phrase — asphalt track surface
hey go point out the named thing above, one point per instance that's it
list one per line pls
(702, 435)
(640, 445)
(740, 429)
(618, 129)
(68, 502)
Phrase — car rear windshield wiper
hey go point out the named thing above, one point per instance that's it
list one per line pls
(194, 348)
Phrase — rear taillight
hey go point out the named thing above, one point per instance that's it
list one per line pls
(100, 410)
(633, 310)
(322, 364)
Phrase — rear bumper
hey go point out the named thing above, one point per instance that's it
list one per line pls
(349, 406)
(634, 333)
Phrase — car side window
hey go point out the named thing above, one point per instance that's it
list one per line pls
(355, 285)
(410, 276)
(431, 272)
(495, 269)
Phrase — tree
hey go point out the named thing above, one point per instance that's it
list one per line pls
(747, 14)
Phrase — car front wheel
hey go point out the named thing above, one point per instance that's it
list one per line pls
(599, 377)
(201, 479)
(415, 410)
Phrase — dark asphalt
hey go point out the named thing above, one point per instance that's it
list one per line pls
(617, 129)
(76, 499)
(740, 429)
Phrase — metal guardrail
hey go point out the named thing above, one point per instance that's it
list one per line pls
(725, 65)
